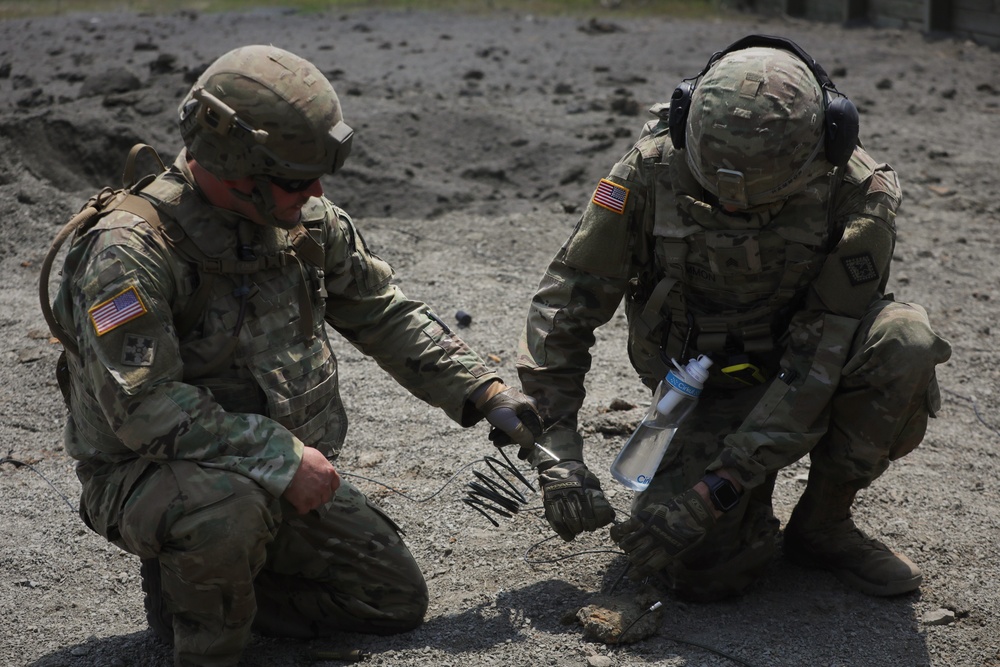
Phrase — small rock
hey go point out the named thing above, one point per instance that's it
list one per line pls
(625, 105)
(599, 661)
(608, 618)
(28, 356)
(369, 459)
(938, 617)
(165, 63)
(941, 190)
(596, 27)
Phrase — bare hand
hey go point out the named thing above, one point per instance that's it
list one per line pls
(314, 482)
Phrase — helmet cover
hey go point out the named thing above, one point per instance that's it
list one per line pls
(755, 127)
(262, 111)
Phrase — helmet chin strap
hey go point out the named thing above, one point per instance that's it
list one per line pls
(263, 202)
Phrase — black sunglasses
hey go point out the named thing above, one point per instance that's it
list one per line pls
(293, 184)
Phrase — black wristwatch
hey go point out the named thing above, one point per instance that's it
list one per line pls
(722, 492)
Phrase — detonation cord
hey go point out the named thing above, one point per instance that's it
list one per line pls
(677, 640)
(975, 409)
(496, 492)
(546, 561)
(21, 464)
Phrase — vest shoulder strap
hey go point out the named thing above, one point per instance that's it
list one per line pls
(102, 203)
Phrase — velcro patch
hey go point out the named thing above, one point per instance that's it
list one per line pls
(138, 350)
(860, 268)
(116, 311)
(611, 196)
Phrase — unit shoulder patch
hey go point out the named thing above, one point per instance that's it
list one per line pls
(116, 311)
(611, 196)
(860, 268)
(138, 350)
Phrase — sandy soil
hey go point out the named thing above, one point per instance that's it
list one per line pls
(478, 141)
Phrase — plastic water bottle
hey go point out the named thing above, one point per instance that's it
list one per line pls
(674, 398)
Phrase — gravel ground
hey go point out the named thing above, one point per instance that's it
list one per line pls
(479, 139)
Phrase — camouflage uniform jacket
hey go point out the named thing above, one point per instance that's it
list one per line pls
(254, 377)
(783, 285)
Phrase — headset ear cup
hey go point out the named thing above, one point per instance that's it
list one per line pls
(680, 104)
(842, 123)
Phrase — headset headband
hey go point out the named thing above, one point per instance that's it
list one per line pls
(774, 42)
(841, 116)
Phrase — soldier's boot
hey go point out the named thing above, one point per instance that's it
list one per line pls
(160, 621)
(821, 534)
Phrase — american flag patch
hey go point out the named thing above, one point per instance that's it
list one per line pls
(611, 196)
(117, 311)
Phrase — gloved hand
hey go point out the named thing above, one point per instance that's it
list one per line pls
(573, 499)
(512, 414)
(661, 533)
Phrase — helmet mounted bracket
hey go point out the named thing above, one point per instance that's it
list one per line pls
(215, 115)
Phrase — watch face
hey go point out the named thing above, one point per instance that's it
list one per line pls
(722, 492)
(726, 495)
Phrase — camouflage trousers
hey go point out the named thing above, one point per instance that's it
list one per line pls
(234, 558)
(878, 413)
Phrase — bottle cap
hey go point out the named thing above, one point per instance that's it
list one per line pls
(697, 369)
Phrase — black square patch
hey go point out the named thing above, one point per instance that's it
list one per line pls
(138, 350)
(860, 269)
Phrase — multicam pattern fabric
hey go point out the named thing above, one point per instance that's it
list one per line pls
(289, 121)
(233, 558)
(229, 402)
(757, 112)
(778, 286)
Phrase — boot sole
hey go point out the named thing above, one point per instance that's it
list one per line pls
(878, 590)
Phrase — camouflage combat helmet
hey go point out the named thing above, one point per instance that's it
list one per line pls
(755, 131)
(262, 111)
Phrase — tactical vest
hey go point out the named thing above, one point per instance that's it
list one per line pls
(249, 311)
(724, 285)
(253, 330)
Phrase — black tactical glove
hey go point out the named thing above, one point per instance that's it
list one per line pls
(513, 416)
(573, 499)
(661, 533)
